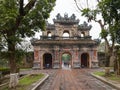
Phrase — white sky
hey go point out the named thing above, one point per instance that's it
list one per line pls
(68, 6)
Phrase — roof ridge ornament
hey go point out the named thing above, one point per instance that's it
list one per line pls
(58, 16)
(65, 19)
(66, 16)
(84, 26)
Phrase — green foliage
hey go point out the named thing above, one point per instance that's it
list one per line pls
(18, 21)
(112, 76)
(19, 55)
(118, 36)
(110, 11)
(104, 33)
(111, 14)
(86, 12)
(99, 73)
(5, 71)
(90, 14)
(110, 23)
(9, 12)
(3, 59)
(118, 32)
(33, 20)
(27, 80)
(66, 57)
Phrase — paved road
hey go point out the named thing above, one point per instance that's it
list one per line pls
(75, 79)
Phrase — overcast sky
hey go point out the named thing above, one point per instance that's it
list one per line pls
(68, 6)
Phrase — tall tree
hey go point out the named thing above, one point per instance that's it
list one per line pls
(109, 22)
(19, 20)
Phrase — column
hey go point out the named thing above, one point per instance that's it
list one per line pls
(36, 63)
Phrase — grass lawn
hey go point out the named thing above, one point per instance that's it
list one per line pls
(25, 82)
(22, 69)
(112, 76)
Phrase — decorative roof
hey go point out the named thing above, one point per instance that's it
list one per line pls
(84, 26)
(66, 20)
(50, 26)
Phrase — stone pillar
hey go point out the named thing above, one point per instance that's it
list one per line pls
(41, 60)
(90, 59)
(76, 62)
(36, 63)
(60, 59)
(94, 59)
(56, 62)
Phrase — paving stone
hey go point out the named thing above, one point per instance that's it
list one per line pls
(74, 79)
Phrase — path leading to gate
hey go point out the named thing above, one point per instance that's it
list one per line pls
(75, 79)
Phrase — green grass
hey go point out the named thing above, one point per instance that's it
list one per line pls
(21, 69)
(26, 81)
(112, 76)
(99, 73)
(30, 79)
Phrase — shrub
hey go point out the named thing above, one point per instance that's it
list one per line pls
(4, 71)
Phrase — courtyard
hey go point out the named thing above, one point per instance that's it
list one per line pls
(70, 79)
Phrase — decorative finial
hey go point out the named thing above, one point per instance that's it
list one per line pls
(58, 16)
(65, 15)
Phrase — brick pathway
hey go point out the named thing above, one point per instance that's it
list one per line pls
(75, 79)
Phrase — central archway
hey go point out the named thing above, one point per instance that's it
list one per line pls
(84, 60)
(47, 60)
(66, 60)
(66, 35)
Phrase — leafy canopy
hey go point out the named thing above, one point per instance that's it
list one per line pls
(110, 11)
(23, 19)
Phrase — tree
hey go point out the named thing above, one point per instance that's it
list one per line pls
(109, 23)
(66, 57)
(111, 14)
(19, 20)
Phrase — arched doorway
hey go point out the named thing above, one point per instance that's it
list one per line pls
(49, 34)
(66, 60)
(66, 35)
(82, 34)
(47, 60)
(84, 60)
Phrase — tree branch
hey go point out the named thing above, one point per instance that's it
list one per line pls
(107, 43)
(102, 27)
(100, 23)
(21, 10)
(77, 5)
(28, 7)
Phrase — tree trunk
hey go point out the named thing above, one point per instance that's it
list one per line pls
(118, 63)
(107, 60)
(12, 61)
(13, 80)
(115, 65)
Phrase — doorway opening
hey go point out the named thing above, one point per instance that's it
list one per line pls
(66, 60)
(84, 60)
(66, 35)
(47, 61)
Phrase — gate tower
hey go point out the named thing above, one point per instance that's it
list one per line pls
(65, 36)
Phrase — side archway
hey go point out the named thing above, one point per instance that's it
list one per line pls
(49, 34)
(84, 60)
(47, 60)
(82, 34)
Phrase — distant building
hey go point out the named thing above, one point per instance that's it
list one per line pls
(65, 36)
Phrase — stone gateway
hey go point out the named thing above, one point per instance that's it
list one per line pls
(65, 36)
